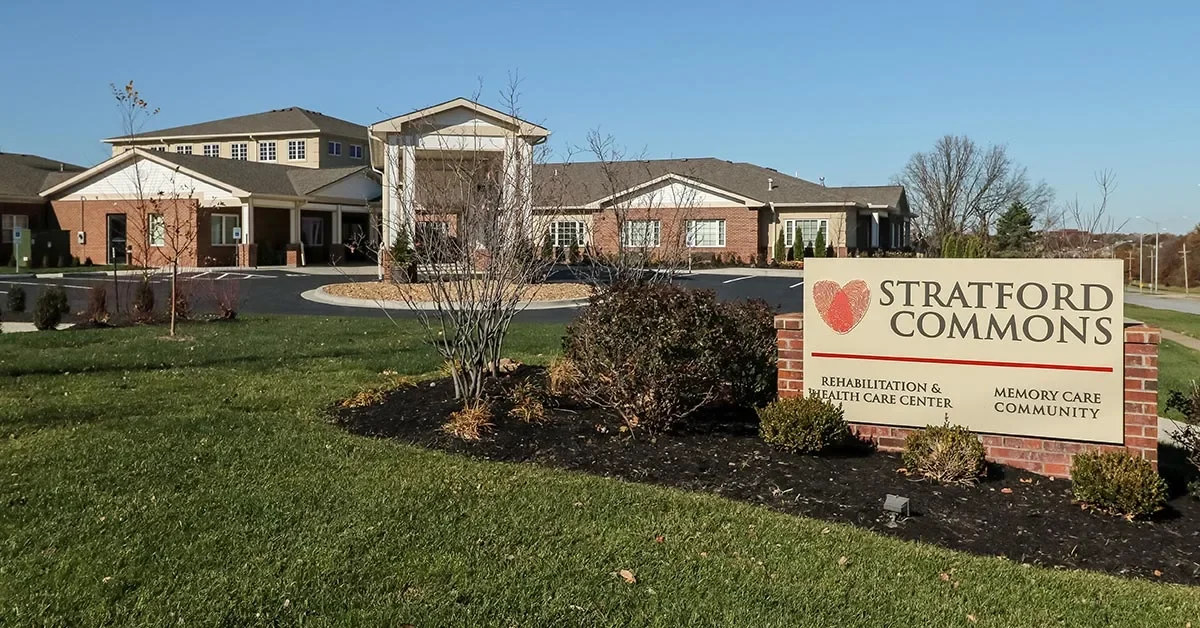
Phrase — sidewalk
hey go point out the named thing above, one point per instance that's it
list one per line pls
(749, 272)
(1187, 341)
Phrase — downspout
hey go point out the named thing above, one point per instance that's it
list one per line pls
(383, 180)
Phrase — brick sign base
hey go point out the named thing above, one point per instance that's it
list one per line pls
(1046, 456)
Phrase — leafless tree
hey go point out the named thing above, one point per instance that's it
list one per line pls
(135, 113)
(474, 244)
(960, 186)
(648, 226)
(1078, 230)
(178, 223)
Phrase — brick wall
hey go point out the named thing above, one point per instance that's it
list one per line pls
(91, 217)
(1046, 456)
(741, 228)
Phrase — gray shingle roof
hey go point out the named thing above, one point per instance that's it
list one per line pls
(22, 177)
(577, 184)
(262, 178)
(275, 121)
(892, 195)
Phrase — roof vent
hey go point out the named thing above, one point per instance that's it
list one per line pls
(770, 184)
(822, 180)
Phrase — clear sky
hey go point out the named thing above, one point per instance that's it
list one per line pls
(841, 90)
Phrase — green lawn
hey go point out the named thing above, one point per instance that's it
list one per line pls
(1187, 324)
(1178, 365)
(146, 482)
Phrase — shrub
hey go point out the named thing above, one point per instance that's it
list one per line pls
(363, 398)
(563, 377)
(50, 307)
(949, 454)
(1187, 404)
(470, 423)
(1118, 483)
(656, 353)
(183, 301)
(803, 424)
(527, 405)
(226, 295)
(97, 307)
(143, 301)
(16, 299)
(751, 364)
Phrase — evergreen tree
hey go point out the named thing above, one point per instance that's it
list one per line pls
(780, 249)
(819, 244)
(1014, 230)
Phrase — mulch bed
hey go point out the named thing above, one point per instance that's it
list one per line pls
(1035, 523)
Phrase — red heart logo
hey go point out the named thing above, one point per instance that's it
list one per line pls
(842, 307)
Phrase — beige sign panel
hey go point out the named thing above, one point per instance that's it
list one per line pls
(1021, 347)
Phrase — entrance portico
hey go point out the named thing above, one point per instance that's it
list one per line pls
(442, 138)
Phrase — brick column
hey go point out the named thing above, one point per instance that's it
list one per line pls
(1047, 456)
(247, 255)
(789, 339)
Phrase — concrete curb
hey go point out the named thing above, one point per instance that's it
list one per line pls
(318, 295)
(751, 272)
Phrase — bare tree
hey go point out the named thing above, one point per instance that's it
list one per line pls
(1077, 230)
(178, 225)
(960, 186)
(473, 240)
(135, 113)
(649, 225)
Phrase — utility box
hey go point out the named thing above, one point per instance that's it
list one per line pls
(22, 246)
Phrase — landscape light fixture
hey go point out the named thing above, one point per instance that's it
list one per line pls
(895, 506)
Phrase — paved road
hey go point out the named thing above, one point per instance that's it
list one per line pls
(278, 292)
(1177, 303)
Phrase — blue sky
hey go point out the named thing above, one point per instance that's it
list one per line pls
(846, 90)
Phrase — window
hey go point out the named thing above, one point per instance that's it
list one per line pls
(335, 149)
(159, 148)
(266, 151)
(237, 151)
(10, 222)
(214, 150)
(355, 151)
(809, 229)
(431, 231)
(641, 233)
(295, 150)
(222, 229)
(184, 149)
(564, 233)
(157, 229)
(706, 233)
(312, 231)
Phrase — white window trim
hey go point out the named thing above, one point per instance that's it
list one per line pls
(183, 149)
(655, 230)
(242, 147)
(691, 233)
(789, 230)
(270, 147)
(578, 229)
(216, 150)
(299, 148)
(356, 151)
(223, 217)
(6, 233)
(161, 230)
(332, 145)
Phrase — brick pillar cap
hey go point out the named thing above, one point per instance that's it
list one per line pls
(791, 320)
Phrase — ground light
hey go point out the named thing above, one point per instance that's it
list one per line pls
(895, 506)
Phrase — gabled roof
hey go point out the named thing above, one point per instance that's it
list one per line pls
(251, 177)
(292, 119)
(580, 184)
(23, 177)
(522, 127)
(875, 195)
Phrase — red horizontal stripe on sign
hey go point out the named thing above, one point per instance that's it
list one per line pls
(1011, 365)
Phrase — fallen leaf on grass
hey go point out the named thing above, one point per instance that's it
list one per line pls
(660, 538)
(1006, 490)
(1157, 573)
(971, 618)
(627, 576)
(825, 531)
(1026, 480)
(843, 561)
(944, 576)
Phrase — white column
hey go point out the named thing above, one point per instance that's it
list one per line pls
(294, 224)
(874, 230)
(526, 170)
(392, 168)
(337, 228)
(408, 182)
(248, 222)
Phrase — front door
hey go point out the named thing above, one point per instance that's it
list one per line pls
(116, 239)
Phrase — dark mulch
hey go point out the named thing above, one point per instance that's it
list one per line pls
(1036, 523)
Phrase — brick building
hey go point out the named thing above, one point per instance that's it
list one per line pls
(22, 177)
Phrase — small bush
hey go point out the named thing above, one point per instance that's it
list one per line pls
(226, 295)
(950, 454)
(751, 364)
(1118, 483)
(363, 398)
(527, 405)
(1186, 404)
(97, 307)
(470, 423)
(657, 353)
(803, 424)
(51, 305)
(183, 301)
(16, 299)
(563, 377)
(143, 301)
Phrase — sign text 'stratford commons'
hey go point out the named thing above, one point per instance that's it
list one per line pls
(1023, 347)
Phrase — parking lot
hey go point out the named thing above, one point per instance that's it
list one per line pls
(277, 291)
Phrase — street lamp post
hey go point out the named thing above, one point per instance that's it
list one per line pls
(1157, 231)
